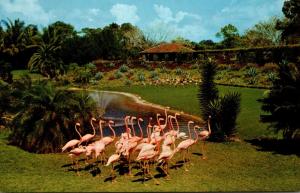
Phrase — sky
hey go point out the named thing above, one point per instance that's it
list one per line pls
(195, 20)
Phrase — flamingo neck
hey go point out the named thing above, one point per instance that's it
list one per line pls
(126, 126)
(113, 131)
(101, 131)
(189, 130)
(77, 132)
(177, 124)
(94, 131)
(171, 123)
(196, 135)
(166, 122)
(141, 134)
(132, 127)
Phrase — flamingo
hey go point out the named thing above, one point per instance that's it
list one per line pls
(145, 156)
(162, 127)
(108, 140)
(76, 152)
(88, 137)
(147, 139)
(124, 137)
(72, 143)
(180, 135)
(184, 145)
(166, 154)
(204, 135)
(111, 160)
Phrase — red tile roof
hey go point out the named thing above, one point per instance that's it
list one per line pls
(168, 48)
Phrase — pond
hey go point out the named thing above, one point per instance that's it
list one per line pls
(116, 105)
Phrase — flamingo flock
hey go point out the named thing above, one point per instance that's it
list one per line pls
(158, 147)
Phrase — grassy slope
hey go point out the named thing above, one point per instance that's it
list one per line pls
(184, 98)
(230, 166)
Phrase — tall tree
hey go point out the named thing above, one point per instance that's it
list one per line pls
(262, 34)
(282, 104)
(229, 34)
(290, 25)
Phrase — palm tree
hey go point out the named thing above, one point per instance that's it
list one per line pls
(46, 59)
(44, 123)
(282, 104)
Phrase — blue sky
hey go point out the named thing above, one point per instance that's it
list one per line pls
(192, 19)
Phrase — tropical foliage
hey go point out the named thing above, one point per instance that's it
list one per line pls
(46, 116)
(222, 109)
(282, 104)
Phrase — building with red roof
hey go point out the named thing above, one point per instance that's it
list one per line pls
(168, 52)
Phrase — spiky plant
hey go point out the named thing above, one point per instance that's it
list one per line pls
(224, 111)
(282, 105)
(207, 89)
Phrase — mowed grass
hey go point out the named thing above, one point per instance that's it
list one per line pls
(235, 166)
(185, 98)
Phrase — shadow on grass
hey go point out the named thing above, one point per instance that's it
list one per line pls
(277, 146)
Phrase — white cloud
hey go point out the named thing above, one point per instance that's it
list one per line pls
(125, 13)
(94, 11)
(166, 15)
(247, 13)
(168, 25)
(30, 9)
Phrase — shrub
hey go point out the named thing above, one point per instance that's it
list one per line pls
(153, 75)
(225, 110)
(46, 117)
(123, 68)
(141, 77)
(99, 75)
(271, 76)
(72, 66)
(223, 67)
(251, 65)
(163, 70)
(282, 105)
(109, 65)
(194, 66)
(207, 89)
(83, 76)
(128, 82)
(178, 71)
(251, 72)
(118, 75)
(270, 67)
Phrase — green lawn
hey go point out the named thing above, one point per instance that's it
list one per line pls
(235, 166)
(184, 98)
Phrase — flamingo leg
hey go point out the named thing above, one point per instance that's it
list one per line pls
(149, 172)
(184, 162)
(203, 150)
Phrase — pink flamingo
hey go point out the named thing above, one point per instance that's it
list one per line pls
(124, 137)
(180, 135)
(166, 154)
(184, 145)
(72, 143)
(145, 156)
(204, 135)
(111, 160)
(147, 139)
(108, 140)
(87, 137)
(162, 127)
(76, 152)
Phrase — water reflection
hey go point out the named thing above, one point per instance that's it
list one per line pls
(115, 106)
